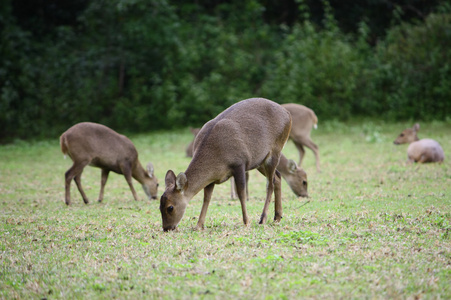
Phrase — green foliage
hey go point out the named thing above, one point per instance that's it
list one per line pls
(413, 70)
(318, 68)
(221, 60)
(139, 65)
(18, 70)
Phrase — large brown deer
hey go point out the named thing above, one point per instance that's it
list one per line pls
(295, 177)
(99, 146)
(422, 151)
(304, 119)
(248, 135)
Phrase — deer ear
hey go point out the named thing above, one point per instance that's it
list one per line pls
(416, 127)
(292, 166)
(170, 178)
(150, 169)
(180, 181)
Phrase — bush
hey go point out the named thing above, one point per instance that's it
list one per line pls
(413, 70)
(138, 65)
(318, 68)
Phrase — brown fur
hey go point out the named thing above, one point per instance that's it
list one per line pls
(248, 135)
(304, 119)
(190, 147)
(295, 177)
(422, 151)
(99, 146)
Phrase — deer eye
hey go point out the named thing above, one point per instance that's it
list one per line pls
(170, 209)
(401, 135)
(304, 182)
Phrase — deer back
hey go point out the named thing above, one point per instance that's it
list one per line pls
(303, 118)
(100, 145)
(425, 150)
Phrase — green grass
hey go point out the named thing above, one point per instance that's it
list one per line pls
(374, 226)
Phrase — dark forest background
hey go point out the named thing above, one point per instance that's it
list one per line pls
(144, 65)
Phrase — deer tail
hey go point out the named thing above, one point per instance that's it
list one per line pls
(315, 120)
(63, 144)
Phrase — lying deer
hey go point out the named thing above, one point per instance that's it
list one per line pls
(422, 151)
(248, 135)
(295, 177)
(304, 119)
(99, 146)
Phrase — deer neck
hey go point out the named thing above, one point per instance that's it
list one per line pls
(200, 173)
(139, 172)
(282, 166)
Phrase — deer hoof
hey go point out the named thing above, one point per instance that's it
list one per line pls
(198, 228)
(277, 218)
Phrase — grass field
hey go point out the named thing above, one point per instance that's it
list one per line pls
(373, 227)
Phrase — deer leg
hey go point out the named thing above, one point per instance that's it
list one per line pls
(247, 185)
(233, 194)
(68, 176)
(126, 170)
(103, 180)
(268, 170)
(277, 196)
(75, 170)
(208, 191)
(239, 176)
(301, 151)
(77, 180)
(423, 159)
(310, 144)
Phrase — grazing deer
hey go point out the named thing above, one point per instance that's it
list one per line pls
(304, 119)
(422, 151)
(295, 177)
(99, 146)
(248, 135)
(189, 148)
